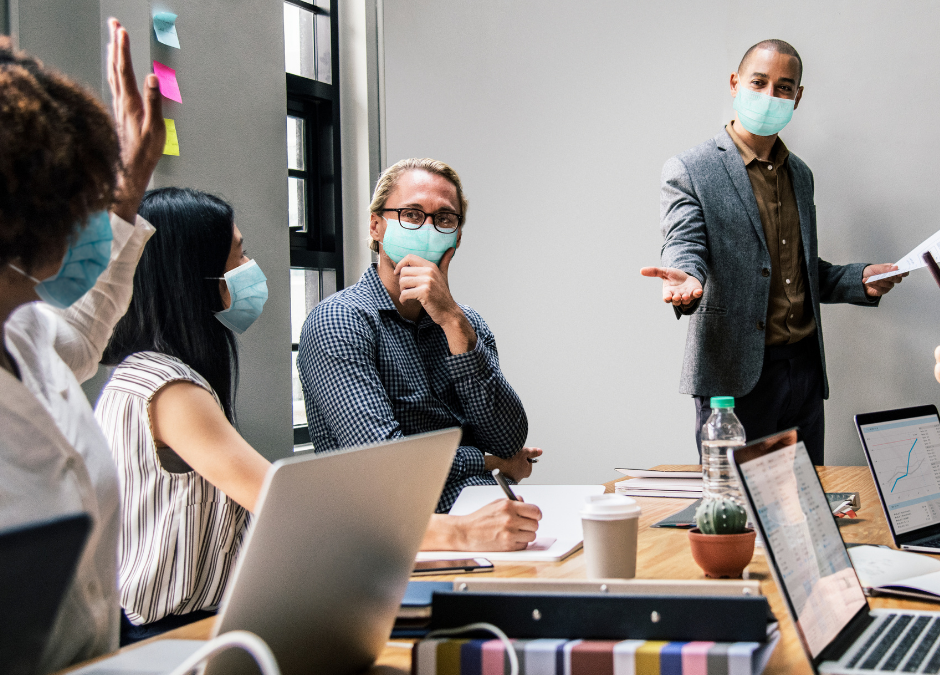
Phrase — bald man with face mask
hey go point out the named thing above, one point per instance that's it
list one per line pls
(740, 259)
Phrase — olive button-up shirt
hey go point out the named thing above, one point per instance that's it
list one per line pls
(789, 311)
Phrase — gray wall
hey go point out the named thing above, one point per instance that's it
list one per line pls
(232, 138)
(559, 117)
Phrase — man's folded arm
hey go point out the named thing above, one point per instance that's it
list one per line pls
(491, 407)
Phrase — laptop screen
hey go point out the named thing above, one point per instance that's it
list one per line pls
(904, 458)
(802, 538)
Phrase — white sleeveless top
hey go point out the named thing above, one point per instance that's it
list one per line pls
(180, 534)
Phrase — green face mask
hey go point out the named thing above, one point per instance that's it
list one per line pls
(761, 114)
(425, 242)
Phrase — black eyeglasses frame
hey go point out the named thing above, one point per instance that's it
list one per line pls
(412, 226)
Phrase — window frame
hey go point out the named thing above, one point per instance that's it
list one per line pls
(317, 103)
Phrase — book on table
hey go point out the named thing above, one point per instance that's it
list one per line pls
(887, 571)
(590, 657)
(684, 488)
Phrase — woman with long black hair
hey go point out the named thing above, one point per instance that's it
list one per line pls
(188, 479)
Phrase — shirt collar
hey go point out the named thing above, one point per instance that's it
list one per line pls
(383, 301)
(778, 153)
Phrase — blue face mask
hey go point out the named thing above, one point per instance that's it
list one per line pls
(85, 260)
(425, 242)
(248, 288)
(761, 114)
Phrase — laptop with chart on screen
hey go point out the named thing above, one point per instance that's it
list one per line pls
(903, 451)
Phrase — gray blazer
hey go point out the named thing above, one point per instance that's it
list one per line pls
(712, 231)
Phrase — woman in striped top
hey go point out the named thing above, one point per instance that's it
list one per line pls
(187, 478)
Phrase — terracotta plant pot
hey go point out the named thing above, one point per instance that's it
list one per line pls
(722, 556)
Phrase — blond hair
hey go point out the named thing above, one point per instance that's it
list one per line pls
(390, 177)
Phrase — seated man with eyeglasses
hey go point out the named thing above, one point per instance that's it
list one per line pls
(395, 355)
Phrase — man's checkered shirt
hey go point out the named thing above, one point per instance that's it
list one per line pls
(370, 375)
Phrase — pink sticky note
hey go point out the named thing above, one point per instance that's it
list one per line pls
(169, 87)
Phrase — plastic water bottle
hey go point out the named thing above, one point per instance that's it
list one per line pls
(721, 433)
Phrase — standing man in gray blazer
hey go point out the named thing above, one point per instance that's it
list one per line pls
(740, 257)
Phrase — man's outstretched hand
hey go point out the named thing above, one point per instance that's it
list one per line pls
(679, 288)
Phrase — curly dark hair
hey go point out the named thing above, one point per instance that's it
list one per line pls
(59, 157)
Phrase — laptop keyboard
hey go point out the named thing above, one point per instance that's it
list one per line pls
(901, 643)
(928, 543)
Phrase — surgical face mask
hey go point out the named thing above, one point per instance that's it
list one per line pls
(85, 260)
(761, 114)
(425, 242)
(248, 288)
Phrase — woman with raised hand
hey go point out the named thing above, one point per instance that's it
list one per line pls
(63, 164)
(188, 479)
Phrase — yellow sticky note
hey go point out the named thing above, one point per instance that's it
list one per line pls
(172, 146)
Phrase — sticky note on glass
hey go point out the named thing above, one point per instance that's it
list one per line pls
(164, 26)
(172, 146)
(169, 87)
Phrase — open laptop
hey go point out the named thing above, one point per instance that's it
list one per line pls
(901, 448)
(37, 564)
(325, 563)
(811, 566)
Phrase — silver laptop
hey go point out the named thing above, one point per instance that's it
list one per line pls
(901, 449)
(326, 561)
(811, 566)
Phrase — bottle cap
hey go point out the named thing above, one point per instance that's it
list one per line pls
(722, 402)
(609, 507)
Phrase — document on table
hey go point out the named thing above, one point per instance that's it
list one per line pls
(885, 570)
(914, 259)
(559, 532)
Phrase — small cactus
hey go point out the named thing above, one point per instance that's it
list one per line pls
(721, 516)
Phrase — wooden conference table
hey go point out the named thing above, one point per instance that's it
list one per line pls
(663, 553)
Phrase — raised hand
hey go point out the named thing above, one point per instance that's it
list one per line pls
(882, 286)
(139, 122)
(679, 288)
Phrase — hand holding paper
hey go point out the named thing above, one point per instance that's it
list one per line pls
(912, 261)
(879, 279)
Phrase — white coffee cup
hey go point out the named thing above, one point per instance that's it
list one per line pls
(610, 525)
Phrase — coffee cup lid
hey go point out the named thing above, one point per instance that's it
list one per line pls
(609, 507)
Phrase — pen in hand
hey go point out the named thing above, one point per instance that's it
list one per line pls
(503, 484)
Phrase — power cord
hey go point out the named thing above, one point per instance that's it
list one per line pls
(240, 639)
(488, 627)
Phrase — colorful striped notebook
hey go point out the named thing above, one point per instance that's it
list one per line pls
(592, 657)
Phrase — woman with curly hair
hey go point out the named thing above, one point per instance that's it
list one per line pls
(63, 164)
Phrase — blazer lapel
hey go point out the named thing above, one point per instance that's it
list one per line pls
(734, 165)
(802, 189)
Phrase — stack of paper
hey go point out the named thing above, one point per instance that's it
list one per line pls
(649, 483)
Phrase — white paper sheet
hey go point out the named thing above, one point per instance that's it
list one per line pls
(914, 259)
(561, 520)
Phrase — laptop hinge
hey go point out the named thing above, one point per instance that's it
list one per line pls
(849, 635)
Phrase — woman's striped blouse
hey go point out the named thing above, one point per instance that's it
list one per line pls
(179, 533)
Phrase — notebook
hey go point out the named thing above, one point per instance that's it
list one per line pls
(559, 533)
